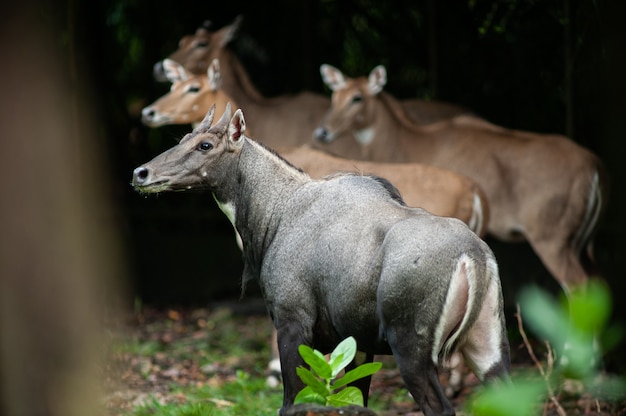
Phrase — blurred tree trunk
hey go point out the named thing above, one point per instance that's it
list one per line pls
(57, 248)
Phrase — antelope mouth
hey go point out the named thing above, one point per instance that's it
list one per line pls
(157, 120)
(153, 187)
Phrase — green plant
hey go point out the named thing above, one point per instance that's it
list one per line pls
(322, 384)
(578, 327)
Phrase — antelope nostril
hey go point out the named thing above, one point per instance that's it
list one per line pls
(148, 112)
(140, 175)
(322, 135)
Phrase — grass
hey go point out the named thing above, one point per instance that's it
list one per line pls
(244, 395)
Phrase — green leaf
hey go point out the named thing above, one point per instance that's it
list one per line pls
(521, 398)
(361, 371)
(573, 324)
(612, 336)
(342, 355)
(307, 395)
(590, 307)
(316, 361)
(308, 378)
(349, 395)
(544, 316)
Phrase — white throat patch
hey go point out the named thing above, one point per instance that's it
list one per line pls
(228, 208)
(364, 137)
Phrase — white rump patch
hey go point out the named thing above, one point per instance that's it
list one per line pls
(482, 347)
(459, 301)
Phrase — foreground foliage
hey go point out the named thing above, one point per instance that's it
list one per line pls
(576, 333)
(323, 386)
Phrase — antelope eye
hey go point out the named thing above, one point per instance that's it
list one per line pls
(193, 88)
(205, 146)
(357, 99)
(202, 44)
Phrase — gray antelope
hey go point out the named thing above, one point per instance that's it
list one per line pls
(295, 115)
(343, 256)
(542, 188)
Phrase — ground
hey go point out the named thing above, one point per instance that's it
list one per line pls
(161, 357)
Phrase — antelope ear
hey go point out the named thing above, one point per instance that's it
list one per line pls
(228, 33)
(332, 77)
(174, 71)
(377, 79)
(236, 129)
(214, 75)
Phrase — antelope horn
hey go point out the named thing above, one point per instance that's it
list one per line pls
(222, 124)
(208, 119)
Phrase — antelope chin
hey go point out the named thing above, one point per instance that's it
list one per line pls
(156, 121)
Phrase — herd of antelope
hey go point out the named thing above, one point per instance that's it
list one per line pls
(511, 185)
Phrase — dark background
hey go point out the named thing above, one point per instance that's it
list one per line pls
(545, 66)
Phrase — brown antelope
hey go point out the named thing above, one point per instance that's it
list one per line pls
(542, 188)
(343, 256)
(296, 116)
(189, 98)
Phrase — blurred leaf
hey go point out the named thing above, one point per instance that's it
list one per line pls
(544, 316)
(521, 398)
(612, 336)
(590, 307)
(572, 326)
(580, 357)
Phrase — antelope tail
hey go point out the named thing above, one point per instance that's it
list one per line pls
(458, 310)
(477, 220)
(595, 205)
